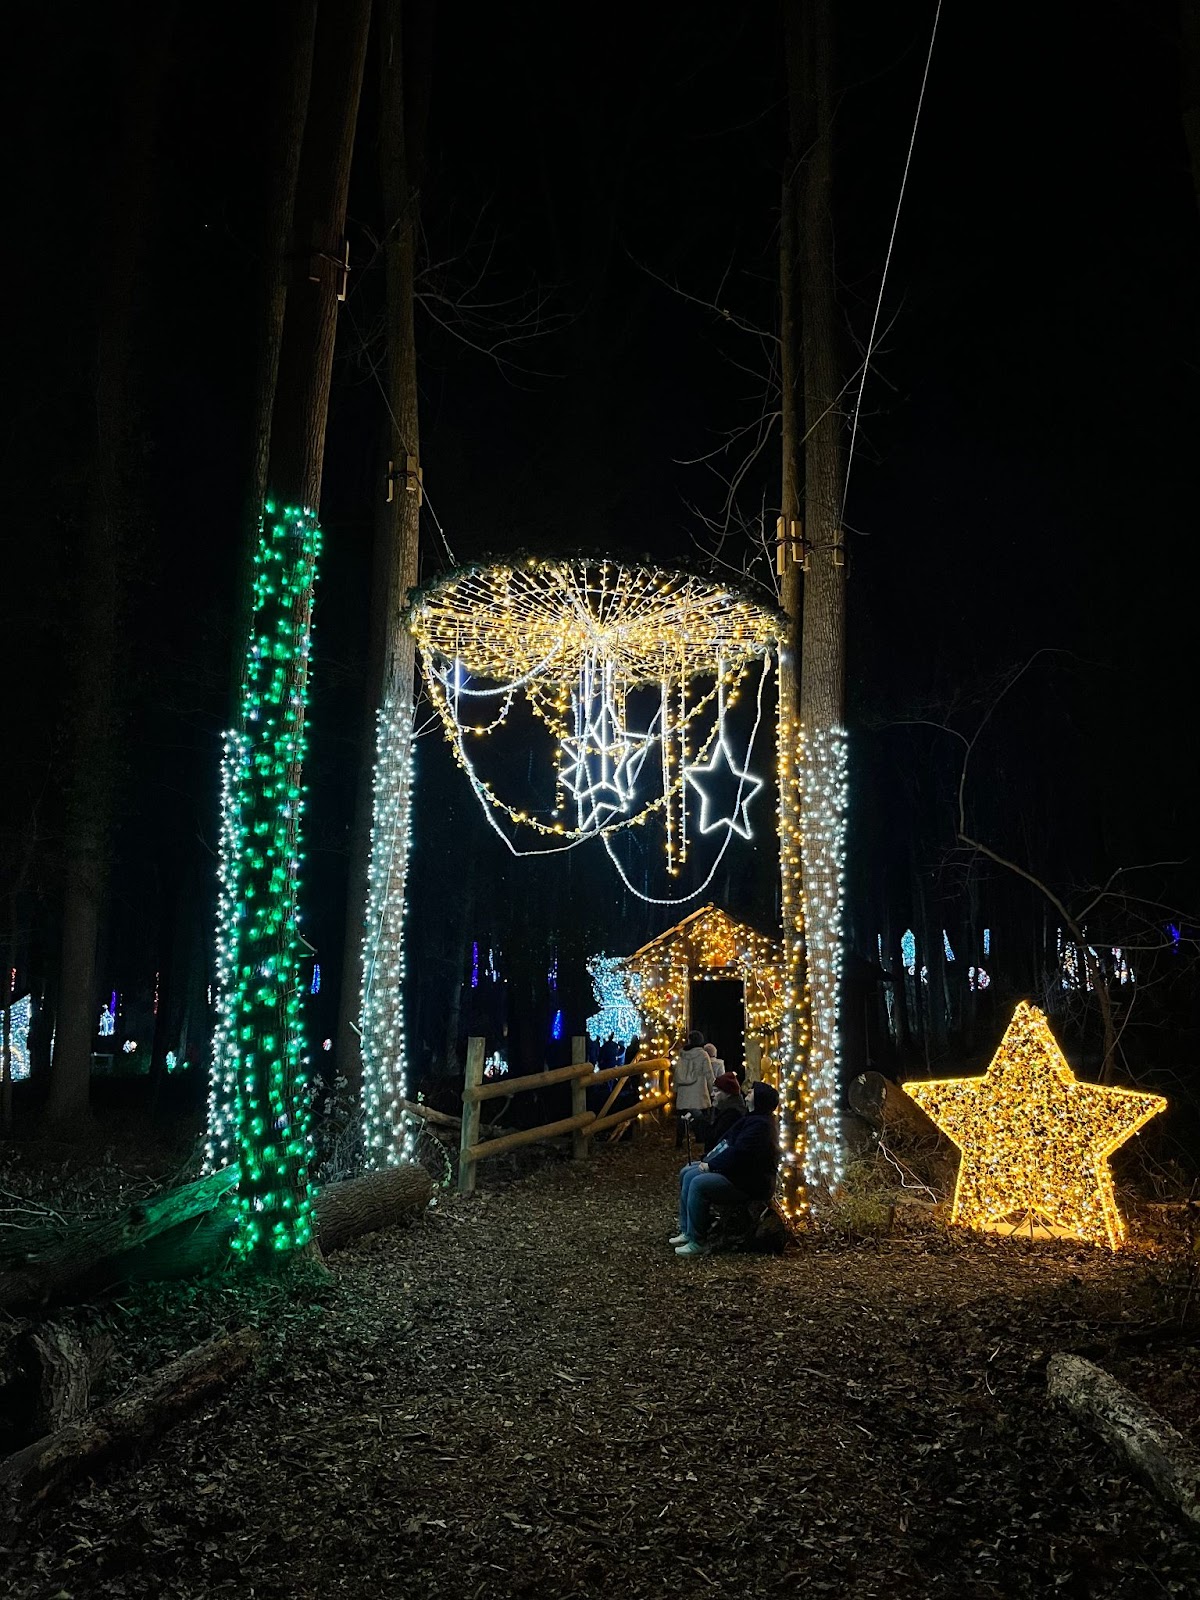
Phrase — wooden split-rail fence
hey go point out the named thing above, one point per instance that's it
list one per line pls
(583, 1125)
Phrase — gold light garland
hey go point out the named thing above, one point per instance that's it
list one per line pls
(573, 639)
(538, 619)
(1036, 1141)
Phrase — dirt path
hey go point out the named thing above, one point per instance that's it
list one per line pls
(530, 1395)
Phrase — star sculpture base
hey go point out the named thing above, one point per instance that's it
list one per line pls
(1036, 1141)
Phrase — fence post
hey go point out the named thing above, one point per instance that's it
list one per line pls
(579, 1139)
(470, 1117)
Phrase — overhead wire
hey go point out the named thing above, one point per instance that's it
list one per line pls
(887, 263)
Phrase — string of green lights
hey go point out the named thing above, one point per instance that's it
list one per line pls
(256, 1113)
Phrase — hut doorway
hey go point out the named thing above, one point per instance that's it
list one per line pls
(717, 1006)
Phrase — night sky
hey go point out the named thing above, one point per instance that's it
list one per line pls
(1024, 477)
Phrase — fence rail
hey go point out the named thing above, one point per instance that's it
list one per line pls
(583, 1125)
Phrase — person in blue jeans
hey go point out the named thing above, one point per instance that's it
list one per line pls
(742, 1167)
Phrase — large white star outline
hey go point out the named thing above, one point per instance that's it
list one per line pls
(748, 787)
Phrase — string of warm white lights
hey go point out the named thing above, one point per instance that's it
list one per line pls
(620, 756)
(543, 616)
(388, 1138)
(823, 857)
(256, 1107)
(794, 1082)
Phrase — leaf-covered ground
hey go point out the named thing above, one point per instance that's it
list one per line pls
(528, 1394)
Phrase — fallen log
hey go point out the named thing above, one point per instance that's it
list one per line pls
(80, 1261)
(443, 1119)
(343, 1211)
(38, 1475)
(1135, 1430)
(193, 1236)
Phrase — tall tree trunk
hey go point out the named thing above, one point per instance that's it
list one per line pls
(94, 707)
(295, 26)
(1189, 24)
(286, 115)
(823, 642)
(261, 833)
(793, 1045)
(376, 977)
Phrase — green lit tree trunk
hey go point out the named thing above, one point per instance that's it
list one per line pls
(373, 985)
(94, 701)
(296, 22)
(264, 794)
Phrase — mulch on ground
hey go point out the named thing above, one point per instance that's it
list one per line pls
(528, 1394)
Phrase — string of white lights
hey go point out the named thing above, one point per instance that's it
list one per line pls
(387, 1136)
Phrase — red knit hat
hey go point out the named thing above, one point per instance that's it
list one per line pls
(727, 1084)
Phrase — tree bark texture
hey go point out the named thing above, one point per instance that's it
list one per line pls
(823, 651)
(1189, 26)
(73, 1262)
(793, 1045)
(91, 777)
(365, 1205)
(289, 86)
(305, 372)
(41, 1474)
(1146, 1440)
(404, 100)
(375, 963)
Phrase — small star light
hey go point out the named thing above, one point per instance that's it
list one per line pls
(1035, 1141)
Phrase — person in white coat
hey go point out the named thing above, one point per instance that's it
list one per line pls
(693, 1083)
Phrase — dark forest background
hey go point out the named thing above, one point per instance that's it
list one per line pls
(1022, 495)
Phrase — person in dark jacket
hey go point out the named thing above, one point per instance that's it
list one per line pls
(742, 1167)
(728, 1107)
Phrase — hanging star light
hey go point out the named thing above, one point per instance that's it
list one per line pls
(577, 641)
(604, 758)
(1036, 1141)
(721, 765)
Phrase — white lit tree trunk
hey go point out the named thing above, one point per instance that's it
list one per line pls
(380, 975)
(822, 756)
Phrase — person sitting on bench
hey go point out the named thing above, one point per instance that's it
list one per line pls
(728, 1107)
(742, 1167)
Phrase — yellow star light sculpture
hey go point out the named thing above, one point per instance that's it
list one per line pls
(1035, 1141)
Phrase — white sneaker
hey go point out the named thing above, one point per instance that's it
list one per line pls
(680, 1238)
